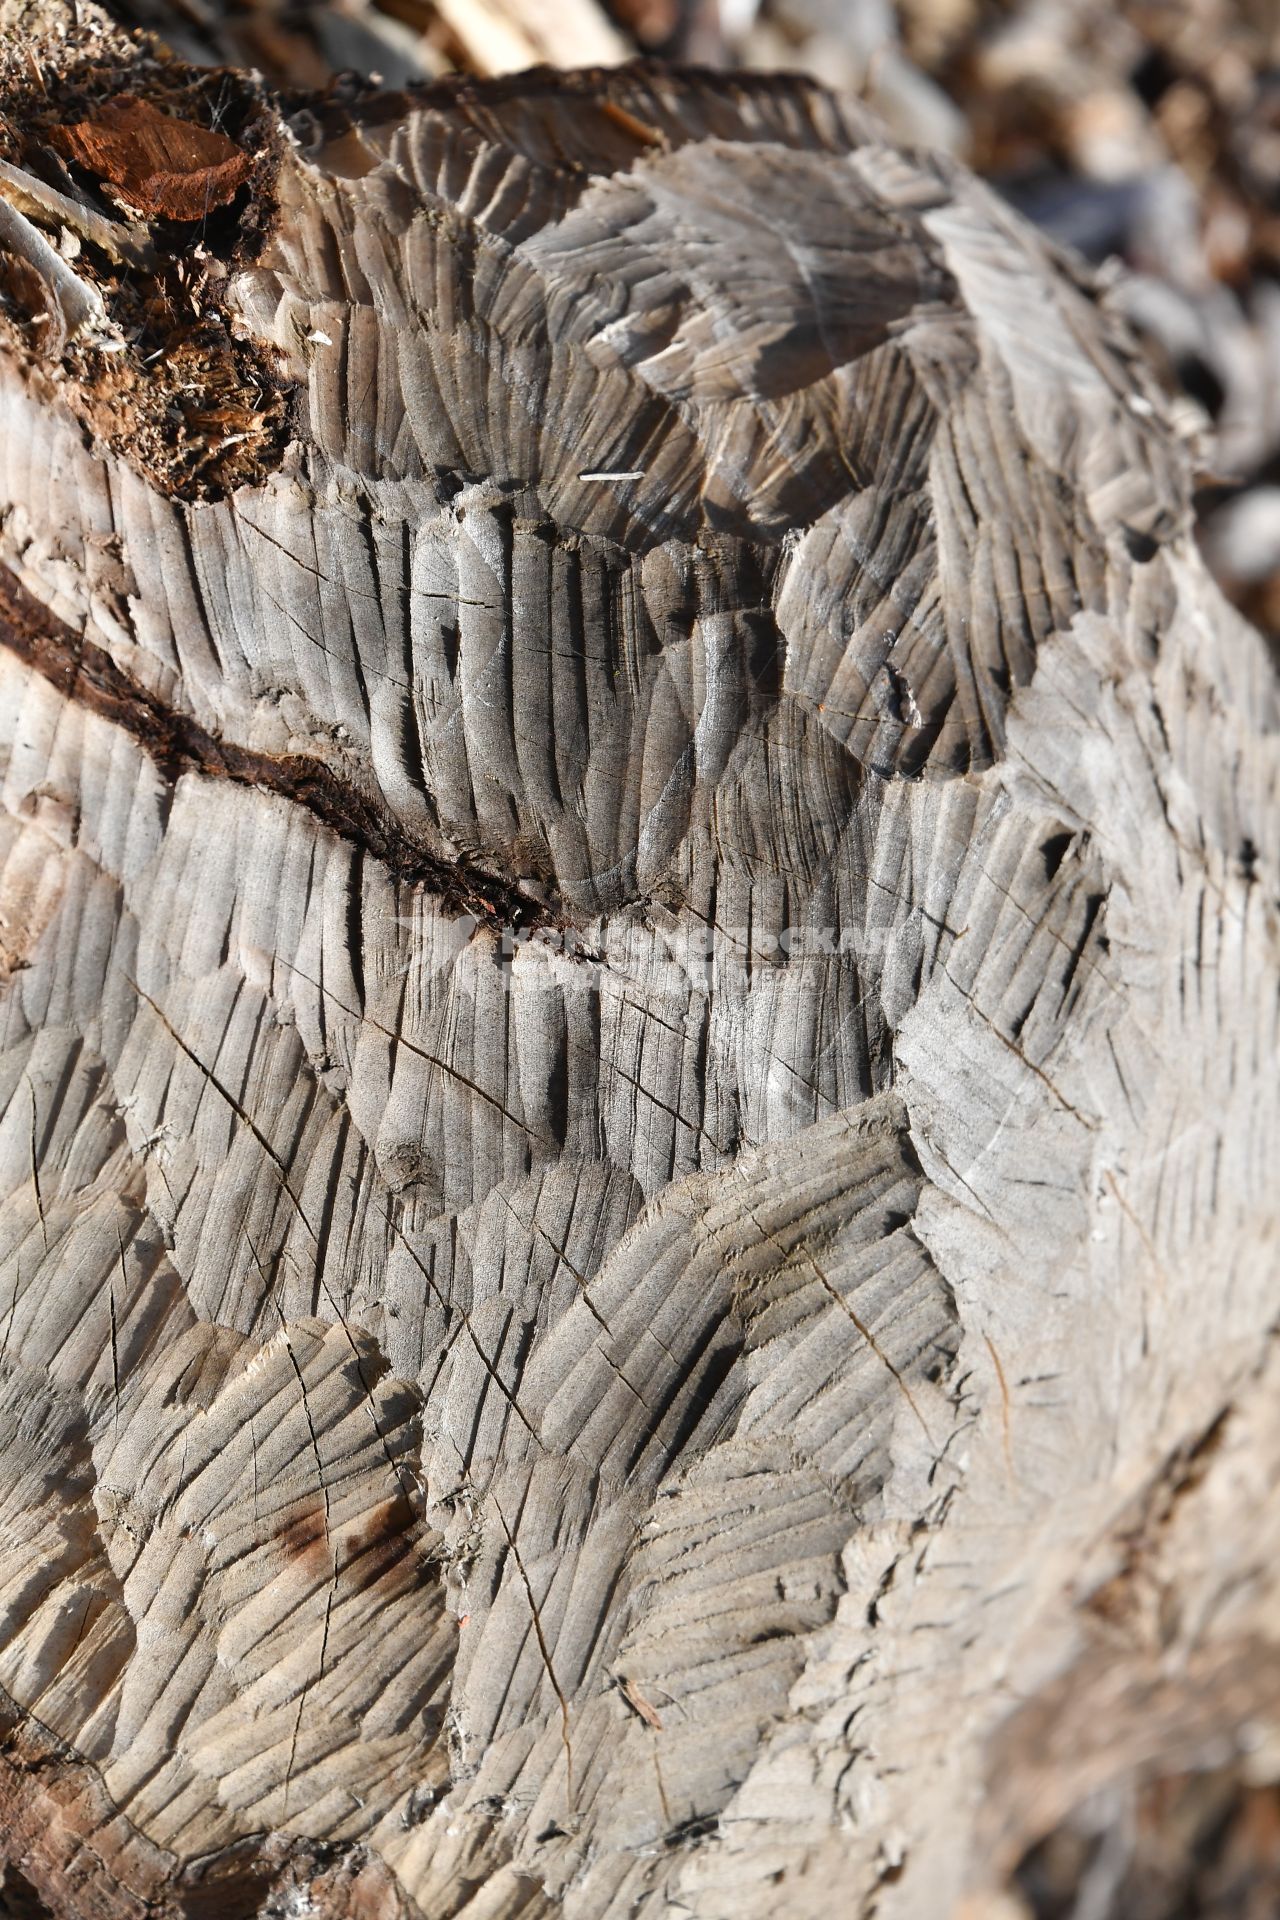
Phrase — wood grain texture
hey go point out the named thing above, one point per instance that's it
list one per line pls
(637, 1046)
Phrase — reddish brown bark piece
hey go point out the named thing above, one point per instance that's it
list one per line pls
(169, 169)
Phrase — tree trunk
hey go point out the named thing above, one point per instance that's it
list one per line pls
(639, 1026)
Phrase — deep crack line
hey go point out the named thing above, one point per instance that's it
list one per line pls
(86, 674)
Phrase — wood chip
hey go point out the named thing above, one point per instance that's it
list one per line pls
(645, 1708)
(169, 169)
(75, 221)
(74, 304)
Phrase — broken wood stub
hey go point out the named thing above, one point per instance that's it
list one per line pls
(636, 1044)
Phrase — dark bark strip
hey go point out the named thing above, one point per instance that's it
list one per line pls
(86, 673)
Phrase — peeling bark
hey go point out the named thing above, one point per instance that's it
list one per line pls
(637, 1021)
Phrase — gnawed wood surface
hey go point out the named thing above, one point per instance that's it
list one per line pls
(639, 1026)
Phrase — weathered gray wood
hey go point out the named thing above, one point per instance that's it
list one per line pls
(638, 1040)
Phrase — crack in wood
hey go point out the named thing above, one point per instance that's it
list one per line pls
(86, 674)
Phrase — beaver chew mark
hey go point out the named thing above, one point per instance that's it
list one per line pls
(87, 675)
(168, 169)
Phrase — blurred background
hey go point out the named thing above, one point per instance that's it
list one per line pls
(1144, 133)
